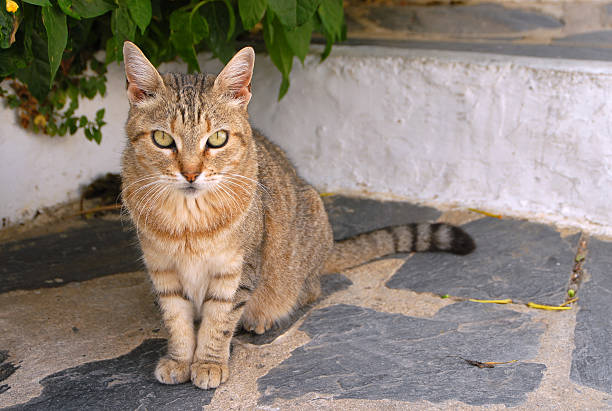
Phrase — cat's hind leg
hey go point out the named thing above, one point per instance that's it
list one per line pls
(311, 291)
(268, 304)
(292, 259)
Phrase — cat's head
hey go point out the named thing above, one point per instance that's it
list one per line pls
(188, 132)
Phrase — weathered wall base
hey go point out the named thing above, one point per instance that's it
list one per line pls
(521, 136)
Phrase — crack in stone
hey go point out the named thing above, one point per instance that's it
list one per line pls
(577, 274)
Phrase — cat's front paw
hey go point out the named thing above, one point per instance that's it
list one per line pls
(170, 371)
(208, 375)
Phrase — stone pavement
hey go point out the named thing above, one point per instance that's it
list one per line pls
(80, 329)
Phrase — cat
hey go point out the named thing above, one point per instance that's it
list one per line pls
(230, 234)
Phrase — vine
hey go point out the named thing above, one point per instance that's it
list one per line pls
(50, 50)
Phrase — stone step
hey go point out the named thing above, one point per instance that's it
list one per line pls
(551, 29)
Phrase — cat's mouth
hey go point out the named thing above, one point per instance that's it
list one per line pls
(190, 190)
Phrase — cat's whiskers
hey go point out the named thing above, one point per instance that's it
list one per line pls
(158, 196)
(140, 189)
(137, 181)
(231, 209)
(148, 188)
(260, 187)
(261, 203)
(125, 198)
(241, 186)
(158, 180)
(147, 210)
(219, 198)
(140, 180)
(145, 198)
(255, 199)
(163, 214)
(242, 196)
(235, 195)
(259, 184)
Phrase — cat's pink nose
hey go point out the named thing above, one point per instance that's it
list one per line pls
(191, 177)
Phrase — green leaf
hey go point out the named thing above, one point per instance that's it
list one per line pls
(51, 128)
(13, 101)
(230, 14)
(182, 38)
(7, 24)
(123, 28)
(57, 36)
(88, 87)
(11, 60)
(283, 88)
(90, 8)
(111, 52)
(331, 13)
(72, 125)
(66, 6)
(221, 24)
(328, 47)
(38, 2)
(58, 98)
(73, 93)
(251, 12)
(85, 8)
(299, 40)
(231, 20)
(285, 10)
(36, 72)
(100, 115)
(305, 9)
(329, 41)
(279, 49)
(102, 86)
(293, 13)
(97, 135)
(199, 27)
(141, 12)
(83, 121)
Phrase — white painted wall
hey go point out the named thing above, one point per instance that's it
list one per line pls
(37, 170)
(521, 136)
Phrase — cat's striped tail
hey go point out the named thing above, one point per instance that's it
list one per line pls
(398, 239)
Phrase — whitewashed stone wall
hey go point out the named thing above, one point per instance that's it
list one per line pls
(521, 136)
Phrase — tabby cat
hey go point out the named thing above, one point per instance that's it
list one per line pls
(229, 232)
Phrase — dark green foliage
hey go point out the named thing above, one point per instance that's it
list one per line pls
(57, 35)
(48, 47)
(251, 12)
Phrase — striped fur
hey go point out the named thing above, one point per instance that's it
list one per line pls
(243, 239)
(398, 239)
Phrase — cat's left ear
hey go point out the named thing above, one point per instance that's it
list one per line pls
(235, 78)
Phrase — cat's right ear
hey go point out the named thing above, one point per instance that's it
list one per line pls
(235, 78)
(143, 79)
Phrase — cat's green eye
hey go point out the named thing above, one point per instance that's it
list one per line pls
(162, 139)
(217, 139)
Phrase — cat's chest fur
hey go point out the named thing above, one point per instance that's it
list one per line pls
(195, 258)
(195, 273)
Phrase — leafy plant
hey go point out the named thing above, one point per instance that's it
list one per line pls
(50, 49)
